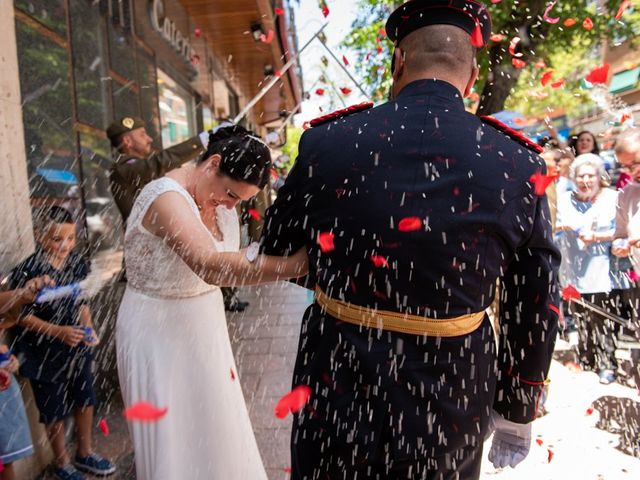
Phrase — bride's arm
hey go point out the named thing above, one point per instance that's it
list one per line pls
(171, 218)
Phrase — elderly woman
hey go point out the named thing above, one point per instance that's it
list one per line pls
(585, 226)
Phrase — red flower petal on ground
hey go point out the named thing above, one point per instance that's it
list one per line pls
(104, 428)
(549, 455)
(589, 411)
(516, 62)
(345, 90)
(379, 261)
(325, 11)
(558, 84)
(598, 75)
(554, 309)
(345, 61)
(497, 37)
(293, 401)
(410, 224)
(541, 182)
(197, 32)
(546, 77)
(569, 22)
(144, 412)
(587, 24)
(623, 6)
(570, 293)
(320, 91)
(268, 38)
(325, 240)
(539, 441)
(253, 213)
(278, 11)
(546, 16)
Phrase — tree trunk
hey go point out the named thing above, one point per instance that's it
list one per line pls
(501, 79)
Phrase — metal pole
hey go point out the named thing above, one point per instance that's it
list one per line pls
(604, 313)
(275, 79)
(345, 70)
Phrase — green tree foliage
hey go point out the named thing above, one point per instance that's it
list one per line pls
(291, 147)
(562, 48)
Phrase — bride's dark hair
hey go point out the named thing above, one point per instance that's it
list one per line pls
(244, 157)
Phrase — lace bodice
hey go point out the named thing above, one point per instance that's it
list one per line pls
(152, 267)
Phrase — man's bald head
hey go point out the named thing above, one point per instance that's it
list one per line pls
(439, 47)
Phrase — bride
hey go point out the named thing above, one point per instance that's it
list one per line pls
(173, 348)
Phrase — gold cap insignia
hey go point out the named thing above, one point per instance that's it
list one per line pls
(128, 122)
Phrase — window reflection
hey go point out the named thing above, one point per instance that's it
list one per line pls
(50, 13)
(176, 111)
(148, 84)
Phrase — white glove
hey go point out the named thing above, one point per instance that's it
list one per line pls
(511, 441)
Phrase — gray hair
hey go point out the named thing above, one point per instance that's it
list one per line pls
(628, 141)
(592, 160)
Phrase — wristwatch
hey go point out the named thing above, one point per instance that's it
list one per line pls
(252, 252)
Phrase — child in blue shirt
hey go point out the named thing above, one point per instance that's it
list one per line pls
(55, 348)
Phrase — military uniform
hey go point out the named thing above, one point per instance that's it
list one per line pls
(129, 174)
(426, 207)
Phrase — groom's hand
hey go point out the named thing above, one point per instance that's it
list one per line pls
(511, 442)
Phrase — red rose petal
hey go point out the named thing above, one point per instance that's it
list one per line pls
(278, 73)
(546, 77)
(104, 428)
(197, 33)
(320, 91)
(569, 22)
(497, 37)
(587, 24)
(293, 401)
(144, 412)
(325, 240)
(623, 6)
(625, 117)
(410, 224)
(379, 261)
(546, 16)
(345, 90)
(549, 455)
(278, 11)
(325, 11)
(233, 374)
(268, 38)
(570, 293)
(541, 182)
(253, 213)
(345, 61)
(512, 47)
(558, 84)
(589, 411)
(599, 74)
(539, 441)
(516, 62)
(554, 309)
(540, 65)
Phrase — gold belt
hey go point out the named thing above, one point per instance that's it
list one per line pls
(398, 322)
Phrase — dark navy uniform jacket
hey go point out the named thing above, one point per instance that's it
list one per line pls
(358, 177)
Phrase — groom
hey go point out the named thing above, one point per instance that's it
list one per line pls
(411, 212)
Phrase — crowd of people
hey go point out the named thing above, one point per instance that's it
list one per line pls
(591, 215)
(399, 316)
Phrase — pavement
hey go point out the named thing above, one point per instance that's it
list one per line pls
(583, 428)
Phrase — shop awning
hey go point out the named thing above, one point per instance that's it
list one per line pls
(623, 81)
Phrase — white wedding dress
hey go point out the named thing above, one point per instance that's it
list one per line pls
(173, 351)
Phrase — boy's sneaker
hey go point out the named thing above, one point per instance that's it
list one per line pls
(68, 472)
(95, 464)
(607, 377)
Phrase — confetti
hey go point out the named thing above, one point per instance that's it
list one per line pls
(516, 62)
(293, 401)
(233, 374)
(320, 91)
(144, 412)
(569, 22)
(345, 60)
(539, 441)
(558, 84)
(512, 47)
(410, 224)
(325, 11)
(345, 90)
(589, 411)
(549, 455)
(546, 77)
(325, 240)
(554, 309)
(546, 16)
(268, 38)
(104, 428)
(598, 75)
(253, 213)
(497, 37)
(379, 261)
(197, 32)
(570, 293)
(541, 182)
(624, 118)
(587, 24)
(278, 11)
(623, 6)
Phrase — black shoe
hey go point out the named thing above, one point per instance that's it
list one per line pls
(237, 306)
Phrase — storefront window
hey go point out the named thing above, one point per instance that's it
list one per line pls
(49, 137)
(177, 113)
(148, 82)
(125, 101)
(104, 224)
(50, 13)
(90, 65)
(122, 53)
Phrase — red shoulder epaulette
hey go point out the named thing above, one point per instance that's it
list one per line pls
(511, 133)
(360, 107)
